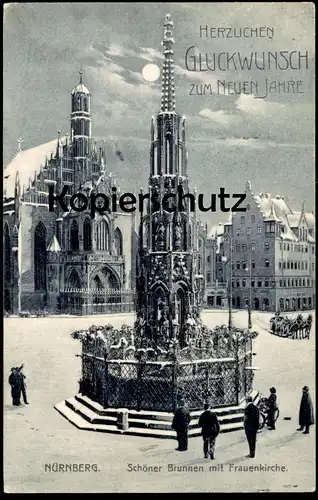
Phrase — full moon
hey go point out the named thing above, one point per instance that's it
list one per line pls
(151, 72)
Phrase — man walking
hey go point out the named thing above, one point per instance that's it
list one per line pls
(180, 424)
(251, 424)
(306, 411)
(210, 426)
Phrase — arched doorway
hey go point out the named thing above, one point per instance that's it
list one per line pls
(281, 304)
(40, 258)
(299, 303)
(256, 303)
(238, 302)
(287, 305)
(210, 300)
(218, 300)
(7, 270)
(74, 299)
(265, 304)
(105, 288)
(293, 304)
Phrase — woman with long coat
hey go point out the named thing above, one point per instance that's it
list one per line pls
(306, 411)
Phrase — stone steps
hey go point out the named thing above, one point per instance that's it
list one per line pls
(145, 419)
(88, 415)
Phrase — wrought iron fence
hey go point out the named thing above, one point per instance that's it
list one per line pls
(83, 301)
(159, 385)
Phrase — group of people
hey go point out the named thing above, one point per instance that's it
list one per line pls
(208, 422)
(18, 386)
(210, 426)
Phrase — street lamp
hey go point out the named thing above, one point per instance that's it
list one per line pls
(249, 270)
(224, 259)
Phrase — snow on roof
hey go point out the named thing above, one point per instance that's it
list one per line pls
(26, 162)
(265, 202)
(80, 88)
(310, 218)
(54, 245)
(293, 219)
(272, 216)
(217, 230)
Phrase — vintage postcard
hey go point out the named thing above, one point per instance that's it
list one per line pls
(159, 247)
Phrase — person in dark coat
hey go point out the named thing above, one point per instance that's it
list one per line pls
(306, 411)
(180, 424)
(210, 426)
(251, 424)
(272, 407)
(15, 382)
(23, 385)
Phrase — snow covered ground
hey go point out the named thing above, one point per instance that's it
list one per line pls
(38, 439)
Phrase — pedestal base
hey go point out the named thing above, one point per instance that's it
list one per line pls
(88, 415)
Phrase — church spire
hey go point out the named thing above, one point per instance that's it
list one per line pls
(168, 103)
(58, 145)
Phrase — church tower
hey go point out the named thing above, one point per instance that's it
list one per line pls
(81, 124)
(167, 283)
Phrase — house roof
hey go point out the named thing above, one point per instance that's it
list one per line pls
(276, 209)
(310, 218)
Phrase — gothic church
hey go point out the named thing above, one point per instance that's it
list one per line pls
(67, 261)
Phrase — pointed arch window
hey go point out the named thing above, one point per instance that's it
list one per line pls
(40, 258)
(74, 280)
(168, 154)
(180, 159)
(185, 234)
(118, 242)
(155, 160)
(87, 233)
(74, 236)
(7, 255)
(102, 234)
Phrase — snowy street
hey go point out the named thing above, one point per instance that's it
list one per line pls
(38, 439)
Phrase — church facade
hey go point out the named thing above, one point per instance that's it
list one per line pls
(67, 261)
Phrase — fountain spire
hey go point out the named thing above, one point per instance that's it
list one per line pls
(168, 101)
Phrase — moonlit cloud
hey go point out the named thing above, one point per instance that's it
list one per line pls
(250, 105)
(220, 117)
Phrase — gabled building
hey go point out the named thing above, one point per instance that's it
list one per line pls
(273, 255)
